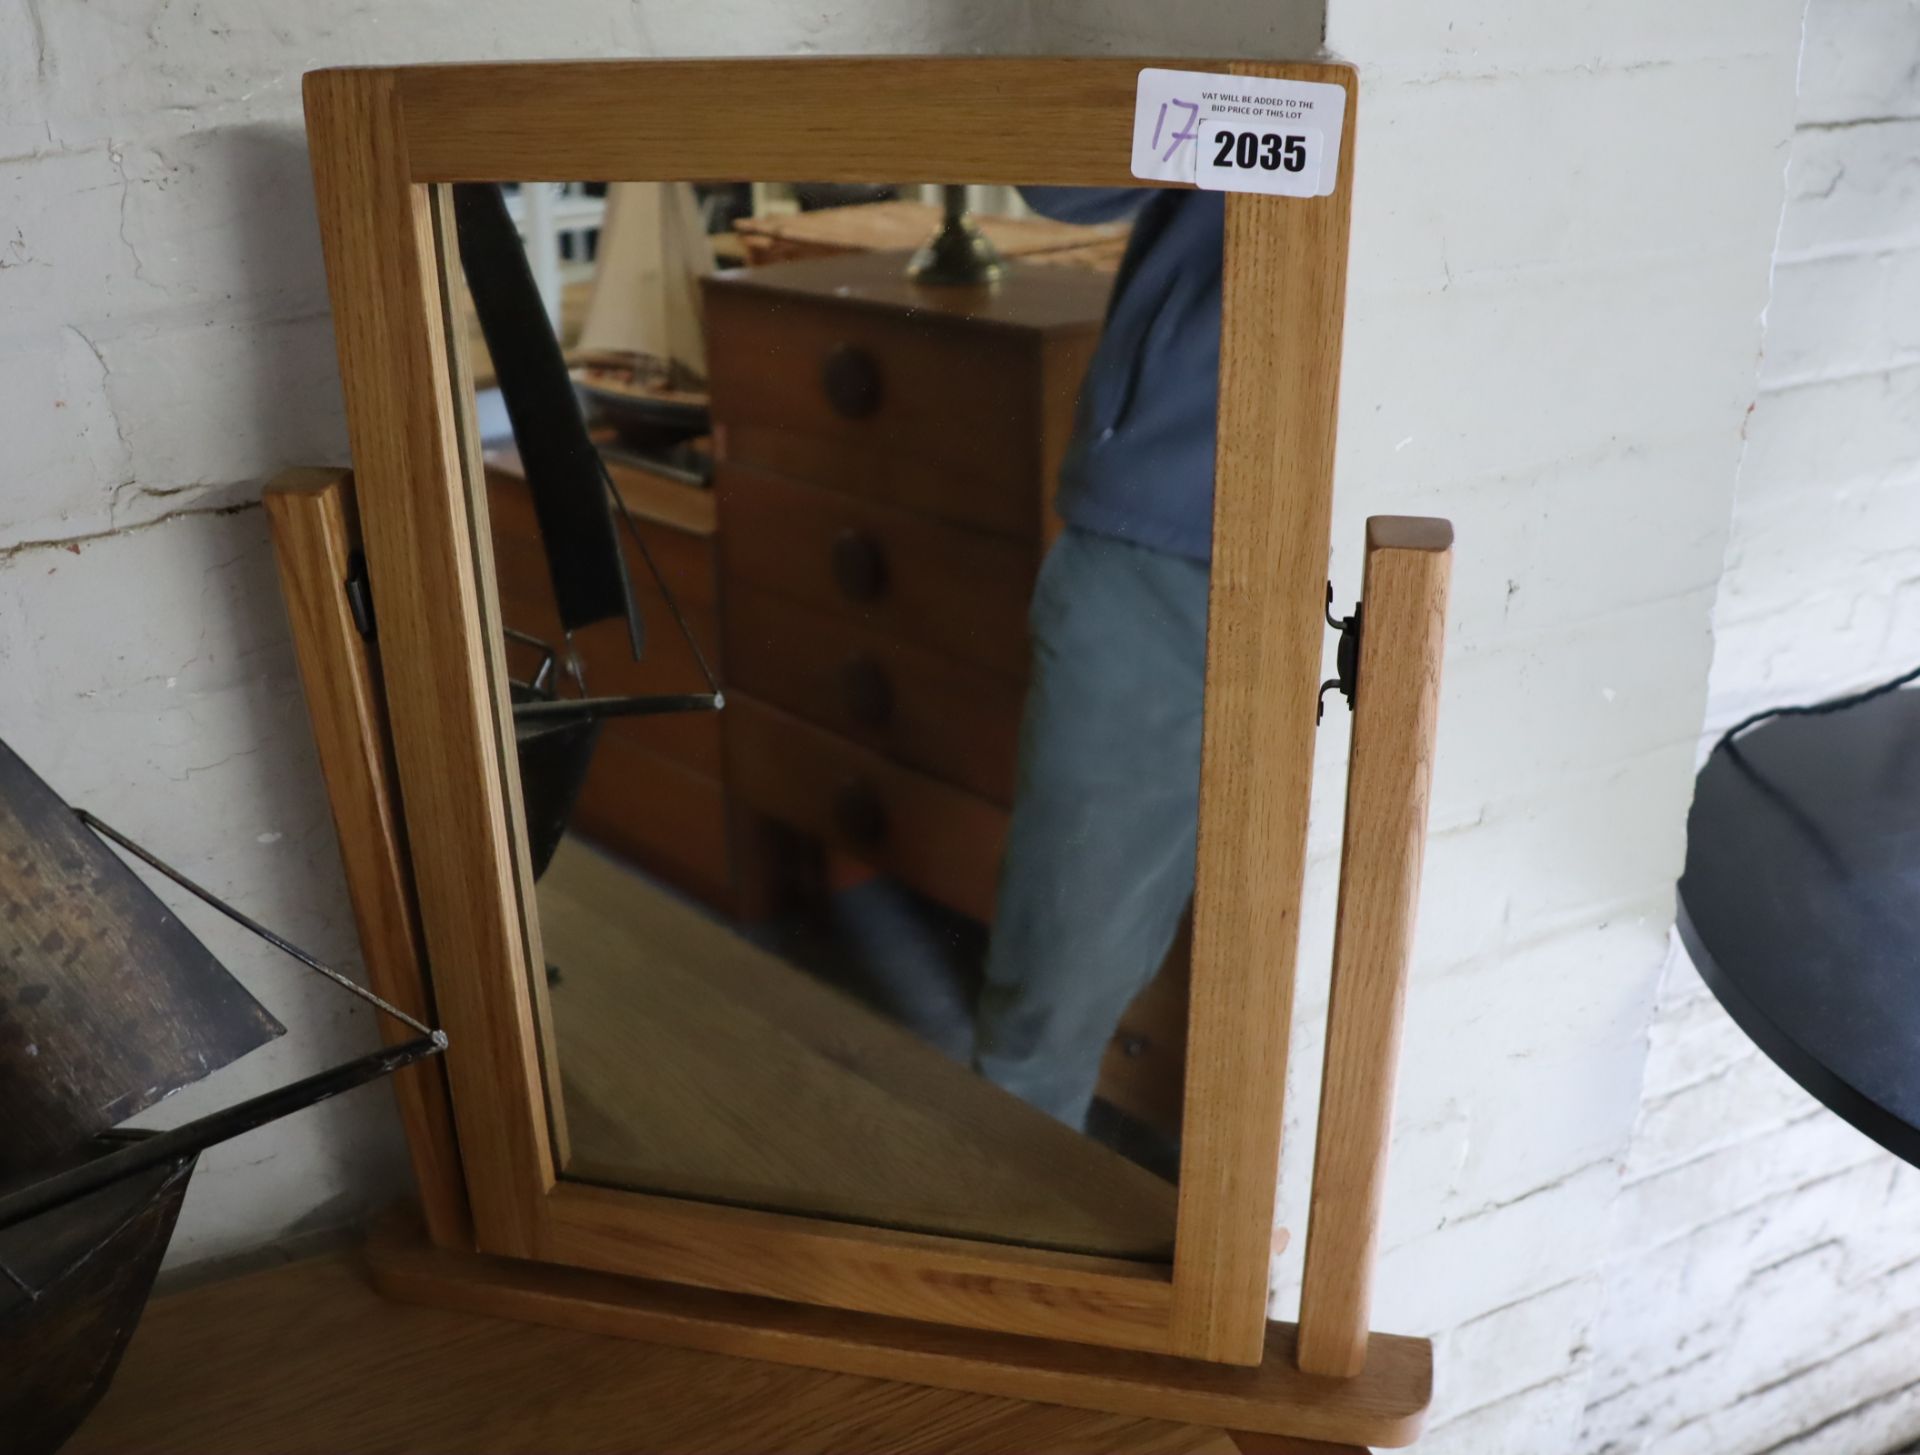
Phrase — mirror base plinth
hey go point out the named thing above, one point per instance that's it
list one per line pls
(1384, 1405)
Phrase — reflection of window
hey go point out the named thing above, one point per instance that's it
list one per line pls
(560, 224)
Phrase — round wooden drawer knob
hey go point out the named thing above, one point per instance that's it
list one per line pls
(859, 816)
(859, 568)
(851, 378)
(867, 691)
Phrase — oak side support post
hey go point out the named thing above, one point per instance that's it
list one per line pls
(1396, 698)
(315, 531)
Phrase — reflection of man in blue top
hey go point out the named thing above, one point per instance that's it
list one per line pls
(1100, 857)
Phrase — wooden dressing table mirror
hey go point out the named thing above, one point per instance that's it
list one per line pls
(858, 875)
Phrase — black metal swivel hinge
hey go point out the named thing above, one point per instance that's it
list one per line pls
(1346, 658)
(360, 594)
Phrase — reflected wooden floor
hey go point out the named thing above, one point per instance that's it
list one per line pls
(694, 1063)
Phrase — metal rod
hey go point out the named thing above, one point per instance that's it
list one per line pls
(657, 464)
(564, 709)
(207, 1131)
(538, 682)
(679, 619)
(577, 669)
(106, 831)
(18, 1282)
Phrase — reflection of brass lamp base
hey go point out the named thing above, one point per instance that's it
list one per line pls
(959, 253)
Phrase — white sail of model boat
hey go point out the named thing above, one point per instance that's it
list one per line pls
(653, 253)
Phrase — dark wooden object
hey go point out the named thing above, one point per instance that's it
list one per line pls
(108, 1003)
(960, 593)
(316, 533)
(1800, 904)
(840, 793)
(73, 1283)
(653, 791)
(889, 454)
(887, 465)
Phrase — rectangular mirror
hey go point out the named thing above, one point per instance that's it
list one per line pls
(797, 670)
(850, 545)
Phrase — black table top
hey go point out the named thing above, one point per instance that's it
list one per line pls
(1800, 904)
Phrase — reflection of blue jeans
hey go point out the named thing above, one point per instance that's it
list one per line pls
(1100, 856)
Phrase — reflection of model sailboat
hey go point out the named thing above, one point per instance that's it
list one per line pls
(108, 1005)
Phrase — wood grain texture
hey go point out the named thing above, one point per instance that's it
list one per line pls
(375, 133)
(697, 1064)
(1396, 700)
(918, 480)
(954, 426)
(455, 301)
(783, 536)
(1383, 1406)
(976, 1285)
(970, 119)
(1251, 1444)
(310, 1360)
(884, 472)
(927, 711)
(377, 232)
(313, 520)
(1281, 322)
(942, 840)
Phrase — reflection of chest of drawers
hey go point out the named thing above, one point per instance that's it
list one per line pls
(887, 459)
(654, 791)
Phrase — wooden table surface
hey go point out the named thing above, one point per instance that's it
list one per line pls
(308, 1358)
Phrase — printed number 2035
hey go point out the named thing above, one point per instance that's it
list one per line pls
(1270, 151)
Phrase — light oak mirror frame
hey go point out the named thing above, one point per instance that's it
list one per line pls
(381, 139)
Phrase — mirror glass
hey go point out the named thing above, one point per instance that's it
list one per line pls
(849, 560)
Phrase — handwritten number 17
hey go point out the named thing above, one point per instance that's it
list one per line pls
(1184, 134)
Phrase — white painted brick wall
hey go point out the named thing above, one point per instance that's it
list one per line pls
(1763, 1289)
(1564, 224)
